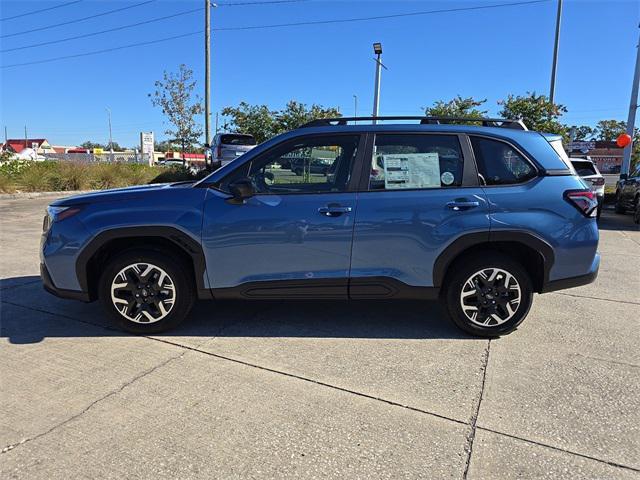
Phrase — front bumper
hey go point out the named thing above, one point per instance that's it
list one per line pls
(49, 286)
(572, 282)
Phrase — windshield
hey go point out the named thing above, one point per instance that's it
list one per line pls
(584, 168)
(231, 139)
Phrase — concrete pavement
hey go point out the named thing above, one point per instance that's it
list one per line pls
(316, 389)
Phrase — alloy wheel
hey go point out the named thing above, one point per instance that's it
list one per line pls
(143, 293)
(490, 297)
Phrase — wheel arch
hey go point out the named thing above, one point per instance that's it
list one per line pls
(166, 238)
(535, 254)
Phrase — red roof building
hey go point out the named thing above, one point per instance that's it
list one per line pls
(16, 145)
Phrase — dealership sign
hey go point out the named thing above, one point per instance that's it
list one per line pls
(582, 146)
(146, 145)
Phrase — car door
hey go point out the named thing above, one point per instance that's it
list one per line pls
(630, 187)
(419, 195)
(293, 236)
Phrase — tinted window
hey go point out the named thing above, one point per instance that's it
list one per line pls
(499, 163)
(309, 165)
(410, 161)
(232, 139)
(584, 168)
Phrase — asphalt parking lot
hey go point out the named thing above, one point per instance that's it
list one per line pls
(318, 390)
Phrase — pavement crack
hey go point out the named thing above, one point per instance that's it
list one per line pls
(474, 419)
(149, 371)
(558, 449)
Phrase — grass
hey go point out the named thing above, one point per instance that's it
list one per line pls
(18, 176)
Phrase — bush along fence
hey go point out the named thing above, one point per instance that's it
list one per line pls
(53, 176)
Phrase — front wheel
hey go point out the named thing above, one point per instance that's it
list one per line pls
(146, 291)
(488, 295)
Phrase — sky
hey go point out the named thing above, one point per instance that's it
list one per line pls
(482, 53)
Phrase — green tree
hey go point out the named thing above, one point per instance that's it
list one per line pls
(256, 120)
(174, 95)
(264, 123)
(582, 132)
(609, 130)
(536, 111)
(456, 107)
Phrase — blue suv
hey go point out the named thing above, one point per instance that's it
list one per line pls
(479, 213)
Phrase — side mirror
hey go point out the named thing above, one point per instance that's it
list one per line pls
(624, 176)
(241, 189)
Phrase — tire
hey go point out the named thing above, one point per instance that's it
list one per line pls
(619, 208)
(511, 304)
(138, 309)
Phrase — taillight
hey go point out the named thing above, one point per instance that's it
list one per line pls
(597, 182)
(584, 200)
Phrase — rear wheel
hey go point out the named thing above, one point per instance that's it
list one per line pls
(488, 295)
(146, 291)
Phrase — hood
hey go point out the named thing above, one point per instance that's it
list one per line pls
(117, 194)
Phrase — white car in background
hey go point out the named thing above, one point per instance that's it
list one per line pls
(588, 171)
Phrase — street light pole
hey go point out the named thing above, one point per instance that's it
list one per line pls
(110, 137)
(377, 49)
(556, 47)
(207, 71)
(355, 105)
(631, 119)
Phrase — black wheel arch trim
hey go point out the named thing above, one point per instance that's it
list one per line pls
(179, 238)
(458, 246)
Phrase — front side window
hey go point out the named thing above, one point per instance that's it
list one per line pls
(416, 161)
(309, 165)
(499, 163)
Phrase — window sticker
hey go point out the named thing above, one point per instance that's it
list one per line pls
(447, 178)
(411, 170)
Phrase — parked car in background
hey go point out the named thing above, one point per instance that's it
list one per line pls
(456, 216)
(628, 192)
(588, 171)
(226, 147)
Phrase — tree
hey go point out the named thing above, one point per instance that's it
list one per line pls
(89, 145)
(256, 120)
(536, 111)
(609, 130)
(457, 107)
(582, 132)
(174, 95)
(264, 123)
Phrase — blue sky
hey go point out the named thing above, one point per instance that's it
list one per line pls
(485, 53)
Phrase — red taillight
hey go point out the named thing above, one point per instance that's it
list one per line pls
(597, 182)
(584, 200)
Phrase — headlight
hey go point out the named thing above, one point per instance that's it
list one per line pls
(57, 214)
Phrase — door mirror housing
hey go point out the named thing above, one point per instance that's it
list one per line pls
(241, 189)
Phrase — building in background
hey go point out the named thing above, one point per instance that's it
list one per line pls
(606, 155)
(17, 145)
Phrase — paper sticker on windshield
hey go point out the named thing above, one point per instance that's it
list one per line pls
(447, 178)
(411, 170)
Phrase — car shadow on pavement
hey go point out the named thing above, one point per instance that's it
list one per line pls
(616, 221)
(29, 315)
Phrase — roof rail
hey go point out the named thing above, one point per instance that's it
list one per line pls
(486, 122)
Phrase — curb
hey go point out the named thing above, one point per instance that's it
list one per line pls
(64, 193)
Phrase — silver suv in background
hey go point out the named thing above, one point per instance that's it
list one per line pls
(588, 171)
(226, 147)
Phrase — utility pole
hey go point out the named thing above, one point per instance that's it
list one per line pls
(216, 123)
(377, 49)
(25, 137)
(5, 136)
(556, 47)
(631, 119)
(110, 136)
(207, 71)
(355, 105)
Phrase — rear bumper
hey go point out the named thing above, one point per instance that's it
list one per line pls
(571, 282)
(49, 286)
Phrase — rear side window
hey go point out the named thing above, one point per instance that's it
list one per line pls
(415, 161)
(499, 163)
(231, 139)
(584, 168)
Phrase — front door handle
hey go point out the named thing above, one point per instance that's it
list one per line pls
(332, 210)
(462, 205)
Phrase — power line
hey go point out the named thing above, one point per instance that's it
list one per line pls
(252, 27)
(258, 3)
(95, 52)
(33, 12)
(47, 27)
(380, 17)
(123, 27)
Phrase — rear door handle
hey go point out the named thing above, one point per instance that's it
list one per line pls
(334, 210)
(462, 205)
